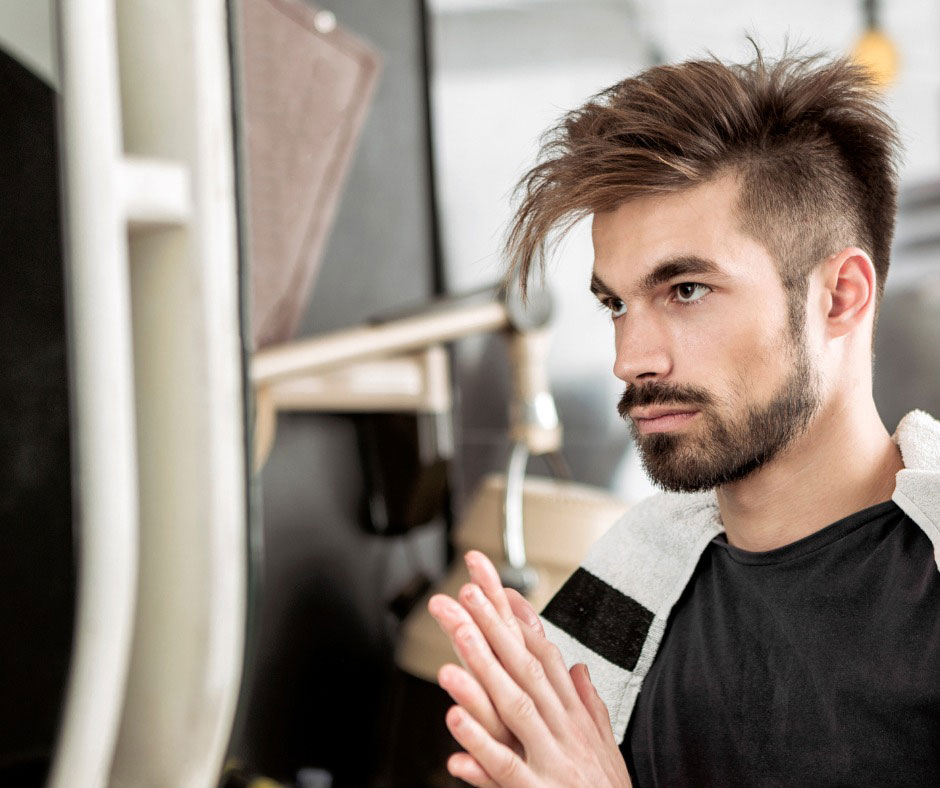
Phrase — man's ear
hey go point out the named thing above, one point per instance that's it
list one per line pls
(849, 279)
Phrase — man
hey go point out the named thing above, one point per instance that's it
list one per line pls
(774, 617)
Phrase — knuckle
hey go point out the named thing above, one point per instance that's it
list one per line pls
(510, 622)
(534, 669)
(507, 767)
(521, 706)
(537, 645)
(551, 652)
(545, 649)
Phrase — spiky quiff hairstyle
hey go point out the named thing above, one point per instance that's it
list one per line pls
(806, 138)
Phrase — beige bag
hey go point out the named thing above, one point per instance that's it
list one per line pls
(560, 521)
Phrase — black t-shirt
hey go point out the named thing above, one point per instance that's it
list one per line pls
(815, 664)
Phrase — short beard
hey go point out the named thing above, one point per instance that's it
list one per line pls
(729, 449)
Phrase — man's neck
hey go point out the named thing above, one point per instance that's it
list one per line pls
(844, 463)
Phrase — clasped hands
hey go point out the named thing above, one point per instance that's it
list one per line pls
(523, 718)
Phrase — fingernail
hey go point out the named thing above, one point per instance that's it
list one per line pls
(456, 716)
(530, 618)
(447, 675)
(587, 673)
(475, 595)
(437, 607)
(467, 634)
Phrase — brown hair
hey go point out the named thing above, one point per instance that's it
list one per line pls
(812, 149)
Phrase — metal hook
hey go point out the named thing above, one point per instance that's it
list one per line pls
(515, 571)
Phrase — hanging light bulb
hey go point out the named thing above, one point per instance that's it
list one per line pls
(874, 50)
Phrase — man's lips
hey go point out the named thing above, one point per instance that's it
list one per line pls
(661, 418)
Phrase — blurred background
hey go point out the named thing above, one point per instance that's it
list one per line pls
(365, 152)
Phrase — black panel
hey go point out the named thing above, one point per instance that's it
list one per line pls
(599, 616)
(37, 589)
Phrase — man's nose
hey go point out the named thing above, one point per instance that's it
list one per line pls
(642, 350)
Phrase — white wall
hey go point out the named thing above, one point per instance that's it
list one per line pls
(685, 28)
(27, 32)
(500, 78)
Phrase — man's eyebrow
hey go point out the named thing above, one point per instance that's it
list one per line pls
(599, 287)
(687, 265)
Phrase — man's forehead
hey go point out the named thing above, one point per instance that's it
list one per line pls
(689, 212)
(639, 236)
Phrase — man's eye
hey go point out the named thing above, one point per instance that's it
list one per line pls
(690, 292)
(615, 306)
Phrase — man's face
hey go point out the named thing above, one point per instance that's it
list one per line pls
(717, 384)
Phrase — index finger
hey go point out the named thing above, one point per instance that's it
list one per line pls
(484, 574)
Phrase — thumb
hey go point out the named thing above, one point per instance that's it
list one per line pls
(592, 701)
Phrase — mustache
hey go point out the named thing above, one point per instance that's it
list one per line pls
(661, 394)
